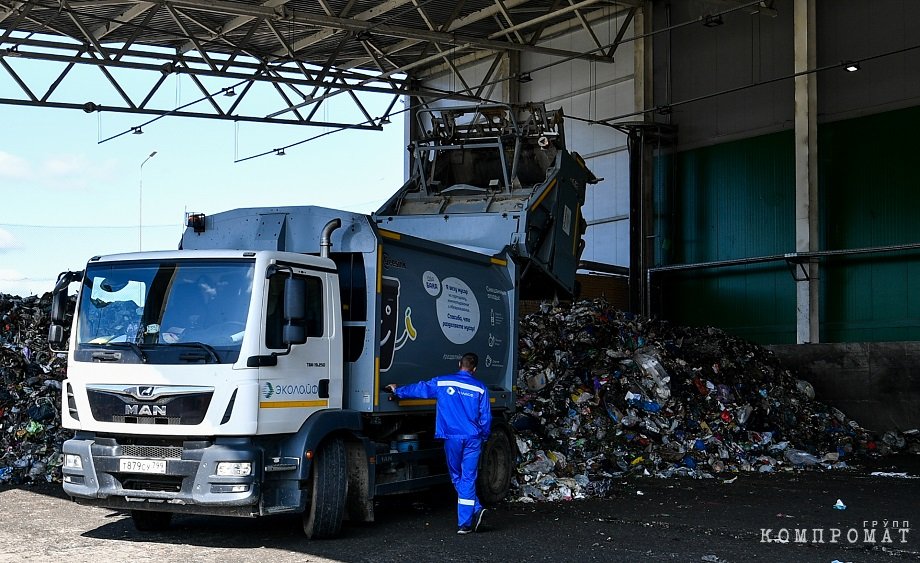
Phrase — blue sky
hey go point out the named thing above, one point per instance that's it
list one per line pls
(66, 197)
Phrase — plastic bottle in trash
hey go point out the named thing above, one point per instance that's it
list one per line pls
(637, 400)
(798, 457)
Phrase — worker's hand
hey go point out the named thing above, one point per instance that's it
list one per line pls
(391, 388)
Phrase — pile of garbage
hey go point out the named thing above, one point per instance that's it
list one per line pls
(604, 394)
(30, 393)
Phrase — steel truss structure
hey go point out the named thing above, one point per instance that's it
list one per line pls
(304, 51)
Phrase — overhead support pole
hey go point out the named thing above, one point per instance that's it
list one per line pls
(641, 181)
(807, 294)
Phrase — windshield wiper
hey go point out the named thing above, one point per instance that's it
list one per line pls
(206, 347)
(134, 348)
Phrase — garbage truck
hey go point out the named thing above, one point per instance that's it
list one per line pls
(243, 374)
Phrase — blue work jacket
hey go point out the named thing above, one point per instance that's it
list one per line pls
(463, 409)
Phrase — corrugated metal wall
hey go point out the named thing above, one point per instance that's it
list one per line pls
(735, 200)
(870, 188)
(728, 202)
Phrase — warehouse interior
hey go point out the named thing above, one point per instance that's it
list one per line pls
(755, 155)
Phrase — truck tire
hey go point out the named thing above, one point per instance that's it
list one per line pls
(150, 521)
(495, 464)
(329, 486)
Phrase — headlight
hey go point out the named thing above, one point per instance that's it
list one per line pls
(234, 468)
(73, 461)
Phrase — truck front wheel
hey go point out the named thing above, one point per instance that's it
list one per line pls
(495, 465)
(329, 486)
(150, 521)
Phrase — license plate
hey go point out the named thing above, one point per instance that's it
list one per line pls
(142, 465)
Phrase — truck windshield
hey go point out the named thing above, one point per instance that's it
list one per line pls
(172, 312)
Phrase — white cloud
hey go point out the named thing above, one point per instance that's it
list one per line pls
(60, 171)
(12, 166)
(7, 241)
(65, 164)
(13, 282)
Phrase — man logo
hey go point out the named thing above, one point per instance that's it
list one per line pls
(451, 390)
(145, 410)
(145, 391)
(269, 390)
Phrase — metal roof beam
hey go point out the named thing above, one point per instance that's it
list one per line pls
(619, 38)
(545, 17)
(174, 13)
(121, 19)
(586, 26)
(14, 6)
(87, 35)
(232, 25)
(460, 23)
(503, 10)
(46, 46)
(183, 113)
(57, 81)
(550, 31)
(363, 16)
(357, 26)
(16, 78)
(21, 12)
(402, 69)
(431, 26)
(360, 86)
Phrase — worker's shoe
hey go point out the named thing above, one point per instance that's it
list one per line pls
(477, 519)
(464, 530)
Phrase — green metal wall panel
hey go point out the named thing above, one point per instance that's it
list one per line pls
(727, 202)
(736, 200)
(870, 192)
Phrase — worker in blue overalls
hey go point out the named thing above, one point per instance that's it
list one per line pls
(464, 420)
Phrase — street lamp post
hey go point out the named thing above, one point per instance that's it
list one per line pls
(140, 203)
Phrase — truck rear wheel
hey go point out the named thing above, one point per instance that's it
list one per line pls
(495, 464)
(150, 521)
(329, 486)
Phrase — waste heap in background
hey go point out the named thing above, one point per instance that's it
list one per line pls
(603, 394)
(30, 393)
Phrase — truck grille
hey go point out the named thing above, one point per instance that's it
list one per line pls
(166, 485)
(151, 420)
(153, 452)
(117, 405)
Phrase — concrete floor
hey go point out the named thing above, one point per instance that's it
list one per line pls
(734, 518)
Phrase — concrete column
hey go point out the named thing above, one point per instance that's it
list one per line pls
(641, 203)
(806, 170)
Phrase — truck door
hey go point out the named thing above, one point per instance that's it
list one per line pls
(298, 385)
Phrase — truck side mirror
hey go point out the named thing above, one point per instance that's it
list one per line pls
(55, 334)
(295, 311)
(59, 302)
(58, 314)
(59, 306)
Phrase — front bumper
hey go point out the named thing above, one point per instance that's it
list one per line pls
(189, 485)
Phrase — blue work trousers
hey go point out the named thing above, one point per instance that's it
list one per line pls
(463, 465)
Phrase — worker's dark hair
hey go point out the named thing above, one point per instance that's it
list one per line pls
(469, 361)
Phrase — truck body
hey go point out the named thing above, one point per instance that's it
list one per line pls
(243, 374)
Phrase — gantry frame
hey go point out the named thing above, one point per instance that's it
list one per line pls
(305, 51)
